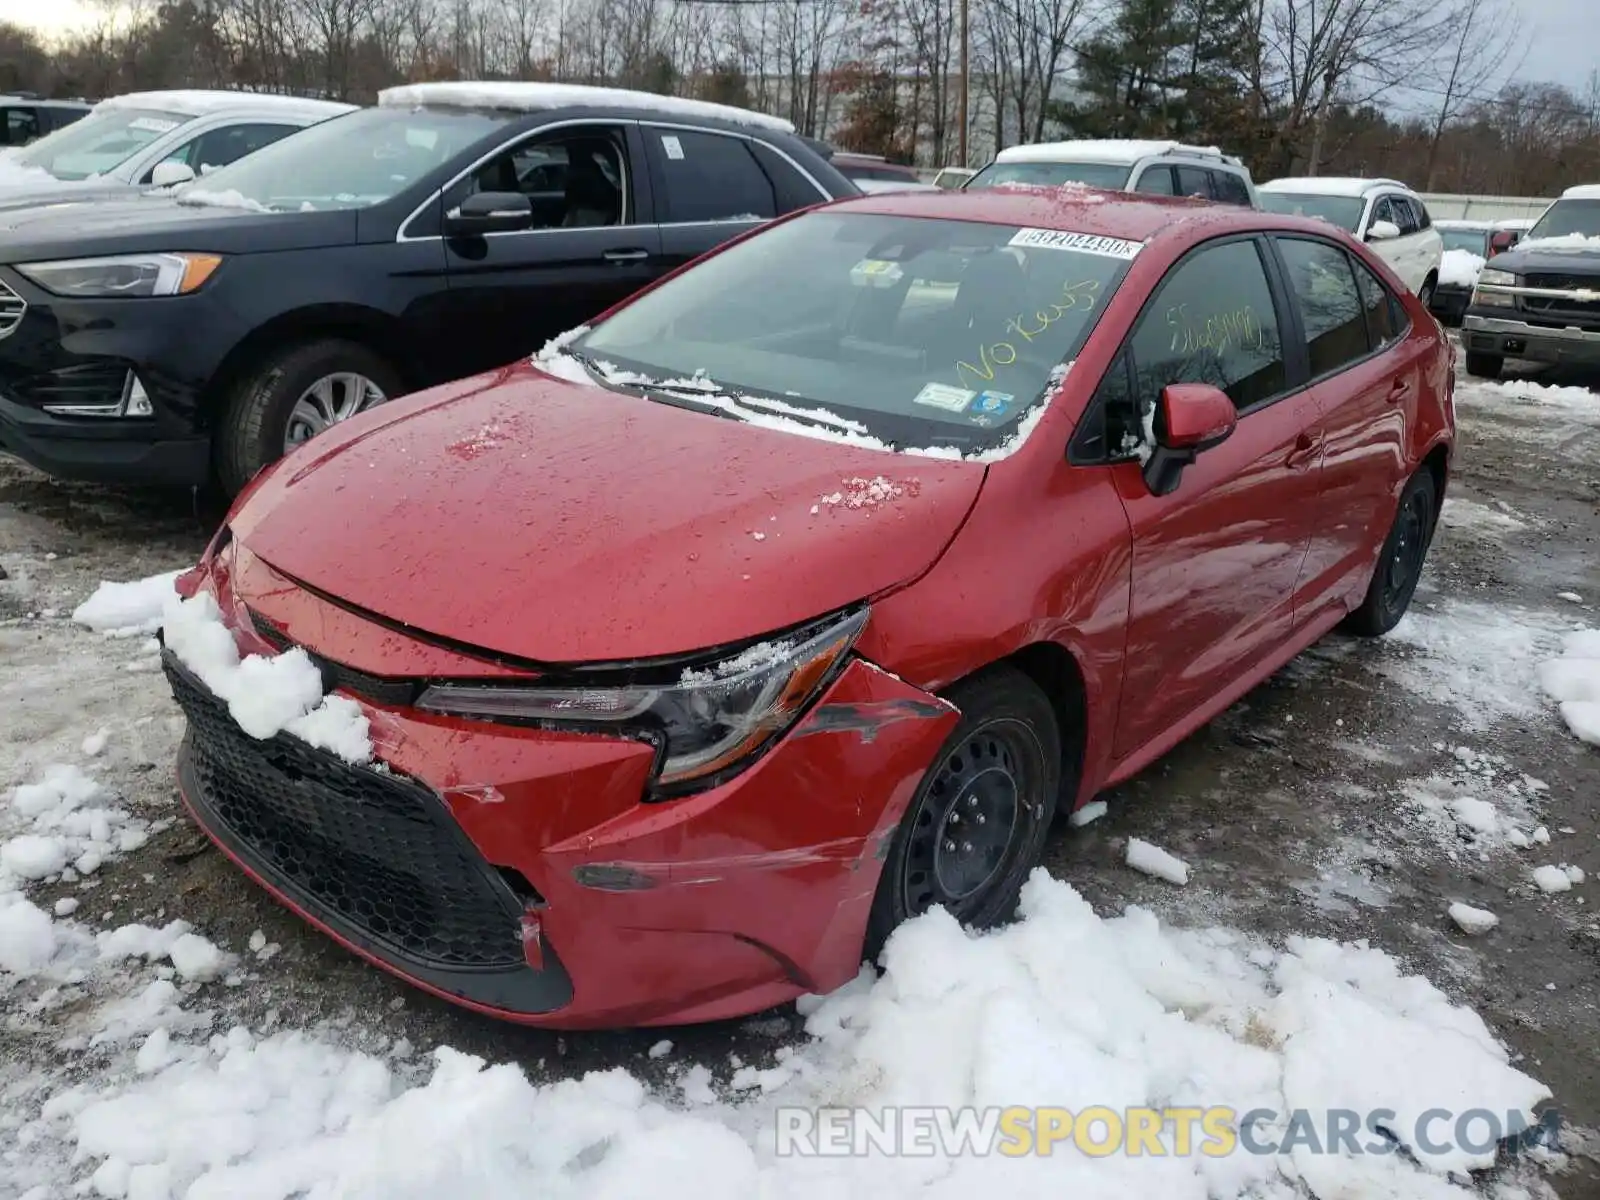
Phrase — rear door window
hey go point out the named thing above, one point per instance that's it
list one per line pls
(1229, 188)
(708, 177)
(1213, 321)
(1331, 309)
(1194, 181)
(1386, 319)
(219, 147)
(1156, 181)
(791, 189)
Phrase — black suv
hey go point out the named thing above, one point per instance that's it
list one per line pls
(449, 230)
(25, 117)
(1540, 300)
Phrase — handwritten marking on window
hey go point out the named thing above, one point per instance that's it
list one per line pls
(1079, 295)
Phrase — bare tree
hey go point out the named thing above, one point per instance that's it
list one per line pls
(1485, 38)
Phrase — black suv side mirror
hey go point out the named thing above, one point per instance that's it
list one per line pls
(490, 212)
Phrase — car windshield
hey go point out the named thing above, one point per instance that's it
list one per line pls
(1051, 174)
(917, 332)
(1567, 217)
(352, 161)
(1343, 211)
(1474, 241)
(98, 143)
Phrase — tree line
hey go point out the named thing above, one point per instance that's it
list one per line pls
(1370, 87)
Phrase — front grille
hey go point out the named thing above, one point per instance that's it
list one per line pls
(12, 309)
(1554, 306)
(379, 689)
(375, 852)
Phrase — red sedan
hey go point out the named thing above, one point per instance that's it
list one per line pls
(801, 592)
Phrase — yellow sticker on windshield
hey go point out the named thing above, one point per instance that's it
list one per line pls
(876, 272)
(1084, 243)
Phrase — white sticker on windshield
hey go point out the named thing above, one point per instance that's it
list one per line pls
(152, 124)
(942, 395)
(672, 146)
(1084, 243)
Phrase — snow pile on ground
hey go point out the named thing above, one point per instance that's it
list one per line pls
(1063, 1008)
(1478, 658)
(1524, 393)
(1482, 803)
(1573, 681)
(1473, 920)
(1459, 514)
(265, 696)
(1153, 860)
(63, 825)
(1459, 268)
(127, 609)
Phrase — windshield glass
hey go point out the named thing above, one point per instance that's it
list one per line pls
(1567, 217)
(352, 161)
(918, 332)
(1343, 211)
(1050, 174)
(99, 142)
(1474, 241)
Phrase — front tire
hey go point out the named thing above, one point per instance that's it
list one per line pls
(1405, 550)
(1426, 294)
(1484, 366)
(977, 825)
(291, 395)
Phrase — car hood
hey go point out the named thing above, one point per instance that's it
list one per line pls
(29, 193)
(1539, 260)
(556, 522)
(143, 222)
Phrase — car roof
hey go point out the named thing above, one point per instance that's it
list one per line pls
(1132, 216)
(545, 97)
(1110, 150)
(40, 101)
(1462, 223)
(1332, 185)
(1583, 191)
(195, 103)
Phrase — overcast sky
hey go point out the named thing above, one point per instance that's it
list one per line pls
(1559, 34)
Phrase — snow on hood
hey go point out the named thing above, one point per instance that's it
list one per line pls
(1459, 268)
(15, 175)
(228, 199)
(1567, 241)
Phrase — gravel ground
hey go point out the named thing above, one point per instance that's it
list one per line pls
(1319, 805)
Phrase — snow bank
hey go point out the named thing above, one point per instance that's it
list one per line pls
(1527, 394)
(1459, 268)
(1063, 1008)
(1573, 681)
(266, 696)
(1152, 860)
(127, 609)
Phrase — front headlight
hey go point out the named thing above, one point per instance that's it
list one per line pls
(123, 276)
(710, 719)
(1493, 278)
(1497, 278)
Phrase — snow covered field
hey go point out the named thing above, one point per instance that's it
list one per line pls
(1228, 940)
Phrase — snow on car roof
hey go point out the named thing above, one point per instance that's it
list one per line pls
(1583, 191)
(1330, 185)
(1461, 223)
(198, 103)
(540, 97)
(1111, 150)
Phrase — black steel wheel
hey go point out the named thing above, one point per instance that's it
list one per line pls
(978, 822)
(1400, 562)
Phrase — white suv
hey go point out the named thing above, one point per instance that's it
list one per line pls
(1155, 168)
(1383, 212)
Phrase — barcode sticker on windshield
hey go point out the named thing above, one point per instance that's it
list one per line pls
(1084, 243)
(672, 146)
(152, 124)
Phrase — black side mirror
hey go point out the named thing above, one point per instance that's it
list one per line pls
(490, 212)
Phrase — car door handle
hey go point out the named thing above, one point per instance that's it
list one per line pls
(1306, 449)
(622, 256)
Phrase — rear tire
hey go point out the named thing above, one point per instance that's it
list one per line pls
(978, 822)
(254, 427)
(1400, 563)
(1484, 366)
(1426, 294)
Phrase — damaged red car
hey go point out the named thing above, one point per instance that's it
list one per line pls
(800, 593)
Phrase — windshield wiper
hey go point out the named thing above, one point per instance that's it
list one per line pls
(666, 391)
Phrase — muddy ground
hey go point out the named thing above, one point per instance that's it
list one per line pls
(1313, 807)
